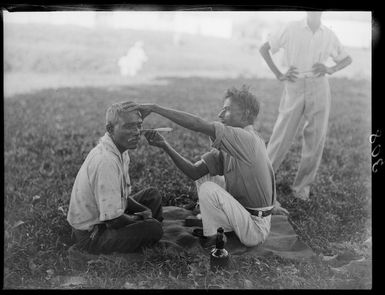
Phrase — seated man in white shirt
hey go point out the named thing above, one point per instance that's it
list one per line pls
(242, 201)
(105, 217)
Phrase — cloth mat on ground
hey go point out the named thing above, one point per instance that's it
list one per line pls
(282, 240)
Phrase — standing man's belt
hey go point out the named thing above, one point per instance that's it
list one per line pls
(260, 213)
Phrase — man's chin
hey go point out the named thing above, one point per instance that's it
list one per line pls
(132, 146)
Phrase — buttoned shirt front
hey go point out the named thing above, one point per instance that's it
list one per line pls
(240, 155)
(101, 187)
(303, 48)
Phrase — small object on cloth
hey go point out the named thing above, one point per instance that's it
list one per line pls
(198, 232)
(193, 221)
(219, 258)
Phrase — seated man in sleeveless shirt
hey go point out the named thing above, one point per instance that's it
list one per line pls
(235, 180)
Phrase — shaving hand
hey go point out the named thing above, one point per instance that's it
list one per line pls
(154, 138)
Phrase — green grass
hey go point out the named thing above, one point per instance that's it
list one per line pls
(49, 133)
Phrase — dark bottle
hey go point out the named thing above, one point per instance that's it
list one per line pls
(219, 258)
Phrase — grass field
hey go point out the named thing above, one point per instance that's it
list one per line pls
(49, 133)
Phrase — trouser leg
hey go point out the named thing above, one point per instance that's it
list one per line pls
(290, 113)
(152, 199)
(130, 238)
(218, 179)
(220, 209)
(314, 132)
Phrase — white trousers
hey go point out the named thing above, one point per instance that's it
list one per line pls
(220, 209)
(307, 98)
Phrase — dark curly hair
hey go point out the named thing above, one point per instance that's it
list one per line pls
(246, 100)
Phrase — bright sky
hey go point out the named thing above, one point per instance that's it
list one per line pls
(352, 27)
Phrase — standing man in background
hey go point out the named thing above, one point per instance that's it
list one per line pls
(307, 45)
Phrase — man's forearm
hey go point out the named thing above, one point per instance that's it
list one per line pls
(186, 120)
(122, 221)
(182, 163)
(269, 61)
(133, 206)
(342, 64)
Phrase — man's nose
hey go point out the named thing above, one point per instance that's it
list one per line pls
(220, 115)
(138, 131)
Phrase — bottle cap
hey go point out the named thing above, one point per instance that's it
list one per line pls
(220, 242)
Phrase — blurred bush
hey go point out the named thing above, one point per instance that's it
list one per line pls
(49, 48)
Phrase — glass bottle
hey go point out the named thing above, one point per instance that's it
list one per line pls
(219, 258)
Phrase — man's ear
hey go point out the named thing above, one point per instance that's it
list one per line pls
(246, 115)
(109, 128)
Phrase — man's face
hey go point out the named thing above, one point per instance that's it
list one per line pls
(231, 114)
(126, 133)
(314, 16)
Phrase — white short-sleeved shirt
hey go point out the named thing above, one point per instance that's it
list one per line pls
(240, 155)
(101, 187)
(303, 49)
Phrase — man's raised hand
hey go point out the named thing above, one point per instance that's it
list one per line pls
(144, 109)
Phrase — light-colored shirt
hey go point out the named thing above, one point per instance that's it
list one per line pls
(101, 187)
(240, 155)
(303, 49)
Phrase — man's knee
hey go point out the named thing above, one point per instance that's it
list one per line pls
(207, 189)
(153, 193)
(250, 242)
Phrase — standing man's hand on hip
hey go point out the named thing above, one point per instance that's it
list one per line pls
(290, 75)
(319, 69)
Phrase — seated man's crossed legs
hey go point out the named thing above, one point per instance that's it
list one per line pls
(133, 237)
(220, 209)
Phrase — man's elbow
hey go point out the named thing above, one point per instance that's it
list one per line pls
(349, 60)
(194, 175)
(264, 49)
(200, 169)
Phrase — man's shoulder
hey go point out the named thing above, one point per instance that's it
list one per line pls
(295, 25)
(329, 30)
(99, 155)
